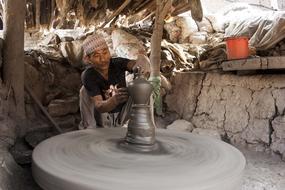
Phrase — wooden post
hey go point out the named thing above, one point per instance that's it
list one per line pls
(13, 54)
(52, 13)
(162, 9)
(38, 13)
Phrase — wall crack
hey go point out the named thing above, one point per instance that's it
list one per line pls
(198, 96)
(276, 114)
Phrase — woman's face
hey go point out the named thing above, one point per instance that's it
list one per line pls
(100, 59)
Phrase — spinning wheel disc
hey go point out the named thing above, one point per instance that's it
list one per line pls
(94, 160)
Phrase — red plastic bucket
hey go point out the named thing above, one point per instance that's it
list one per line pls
(237, 47)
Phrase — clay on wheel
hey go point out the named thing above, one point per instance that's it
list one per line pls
(95, 160)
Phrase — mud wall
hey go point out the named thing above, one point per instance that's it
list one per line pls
(247, 110)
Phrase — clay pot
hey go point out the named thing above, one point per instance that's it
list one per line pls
(140, 90)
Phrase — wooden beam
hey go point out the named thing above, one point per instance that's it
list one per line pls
(180, 10)
(144, 5)
(116, 13)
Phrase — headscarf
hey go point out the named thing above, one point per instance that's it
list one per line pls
(93, 43)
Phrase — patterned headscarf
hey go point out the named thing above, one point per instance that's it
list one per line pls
(93, 43)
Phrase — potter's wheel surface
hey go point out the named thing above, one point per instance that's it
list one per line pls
(93, 160)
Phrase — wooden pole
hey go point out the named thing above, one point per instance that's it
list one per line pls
(162, 8)
(13, 53)
(38, 13)
(52, 13)
(38, 102)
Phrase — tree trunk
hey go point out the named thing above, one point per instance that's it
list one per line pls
(13, 54)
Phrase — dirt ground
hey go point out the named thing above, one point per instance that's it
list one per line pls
(263, 171)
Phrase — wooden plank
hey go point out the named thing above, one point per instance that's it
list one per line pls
(242, 64)
(276, 62)
(258, 63)
(264, 63)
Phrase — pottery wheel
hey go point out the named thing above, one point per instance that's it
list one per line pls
(95, 160)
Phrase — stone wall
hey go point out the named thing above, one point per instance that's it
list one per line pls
(246, 110)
